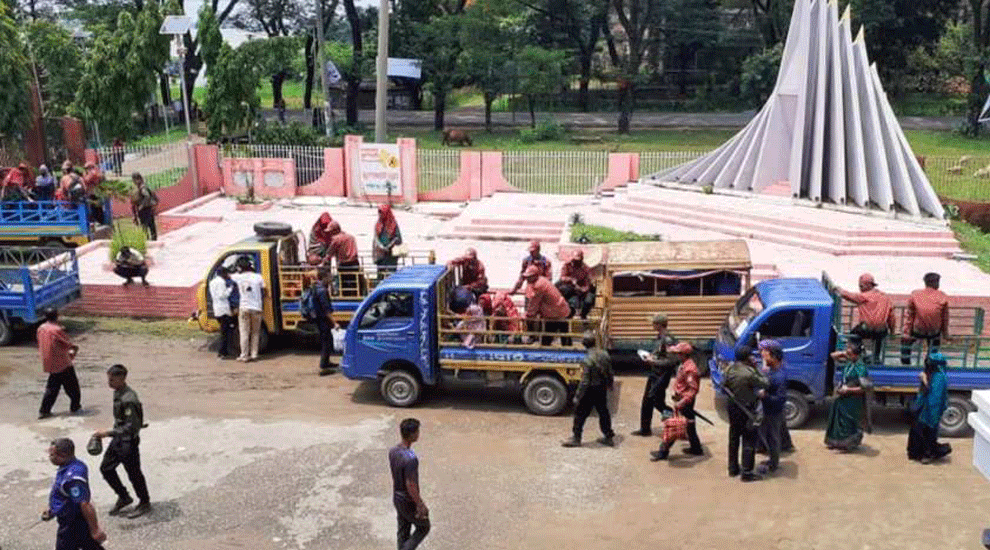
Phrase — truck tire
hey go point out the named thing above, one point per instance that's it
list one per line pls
(953, 423)
(272, 229)
(400, 389)
(545, 395)
(796, 409)
(6, 332)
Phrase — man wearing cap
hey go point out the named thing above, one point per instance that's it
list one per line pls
(686, 385)
(875, 312)
(69, 501)
(661, 365)
(774, 426)
(128, 419)
(592, 393)
(545, 303)
(472, 272)
(927, 317)
(578, 274)
(534, 259)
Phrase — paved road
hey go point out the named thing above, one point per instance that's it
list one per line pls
(643, 120)
(269, 456)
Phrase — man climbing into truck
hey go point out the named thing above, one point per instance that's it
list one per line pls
(876, 313)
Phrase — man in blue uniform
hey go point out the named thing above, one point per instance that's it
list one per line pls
(69, 502)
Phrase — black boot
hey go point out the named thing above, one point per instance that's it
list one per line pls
(572, 442)
(122, 502)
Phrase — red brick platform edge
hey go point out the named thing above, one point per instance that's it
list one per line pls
(135, 301)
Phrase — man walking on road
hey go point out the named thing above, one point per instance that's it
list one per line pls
(592, 393)
(128, 419)
(251, 289)
(409, 506)
(57, 353)
(68, 502)
(661, 365)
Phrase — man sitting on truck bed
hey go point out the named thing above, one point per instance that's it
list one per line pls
(876, 313)
(927, 317)
(472, 272)
(537, 260)
(545, 303)
(577, 274)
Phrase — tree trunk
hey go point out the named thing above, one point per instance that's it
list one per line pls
(353, 90)
(489, 99)
(977, 98)
(357, 54)
(277, 80)
(191, 65)
(625, 107)
(439, 106)
(165, 89)
(310, 71)
(583, 82)
(532, 111)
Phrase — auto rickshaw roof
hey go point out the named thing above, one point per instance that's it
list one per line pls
(730, 255)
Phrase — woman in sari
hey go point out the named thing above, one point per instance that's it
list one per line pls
(928, 407)
(319, 239)
(844, 431)
(387, 237)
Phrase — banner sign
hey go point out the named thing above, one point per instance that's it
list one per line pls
(379, 169)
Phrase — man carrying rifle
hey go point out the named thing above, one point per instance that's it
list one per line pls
(745, 386)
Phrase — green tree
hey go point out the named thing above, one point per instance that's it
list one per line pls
(540, 75)
(691, 29)
(490, 37)
(58, 61)
(637, 19)
(106, 92)
(232, 100)
(209, 38)
(15, 102)
(759, 75)
(275, 58)
(977, 60)
(440, 47)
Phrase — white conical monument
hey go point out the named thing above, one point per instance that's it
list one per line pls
(827, 129)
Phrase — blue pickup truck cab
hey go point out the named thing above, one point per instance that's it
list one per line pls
(809, 319)
(403, 336)
(32, 280)
(51, 223)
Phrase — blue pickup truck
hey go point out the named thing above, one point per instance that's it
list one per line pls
(809, 319)
(404, 336)
(51, 223)
(32, 280)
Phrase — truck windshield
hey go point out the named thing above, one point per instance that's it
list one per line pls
(747, 308)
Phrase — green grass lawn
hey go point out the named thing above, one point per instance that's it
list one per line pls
(974, 242)
(598, 234)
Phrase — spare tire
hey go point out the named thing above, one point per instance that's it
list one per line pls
(272, 229)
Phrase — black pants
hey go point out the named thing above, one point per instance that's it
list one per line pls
(923, 442)
(581, 303)
(124, 452)
(146, 217)
(879, 338)
(654, 397)
(595, 397)
(352, 281)
(548, 328)
(325, 326)
(227, 334)
(739, 430)
(73, 534)
(772, 429)
(61, 380)
(907, 343)
(405, 512)
(130, 271)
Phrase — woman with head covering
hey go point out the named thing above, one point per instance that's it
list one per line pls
(844, 431)
(773, 426)
(507, 315)
(928, 407)
(387, 237)
(319, 239)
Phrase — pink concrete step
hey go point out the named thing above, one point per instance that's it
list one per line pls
(518, 223)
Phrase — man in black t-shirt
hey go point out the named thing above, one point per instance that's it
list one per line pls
(409, 506)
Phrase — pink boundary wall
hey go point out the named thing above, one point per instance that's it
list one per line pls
(183, 191)
(622, 169)
(273, 178)
(481, 176)
(331, 182)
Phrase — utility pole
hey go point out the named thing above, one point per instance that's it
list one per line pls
(381, 89)
(321, 60)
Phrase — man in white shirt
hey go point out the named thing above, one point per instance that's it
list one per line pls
(251, 287)
(222, 289)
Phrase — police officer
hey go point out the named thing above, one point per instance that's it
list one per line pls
(592, 393)
(78, 528)
(128, 419)
(662, 366)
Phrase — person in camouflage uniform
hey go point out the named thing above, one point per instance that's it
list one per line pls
(662, 366)
(592, 393)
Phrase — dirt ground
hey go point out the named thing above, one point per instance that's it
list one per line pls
(269, 455)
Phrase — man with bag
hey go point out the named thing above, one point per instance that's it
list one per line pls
(318, 308)
(686, 385)
(661, 365)
(592, 393)
(143, 203)
(745, 386)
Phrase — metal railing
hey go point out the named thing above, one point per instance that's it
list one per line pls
(161, 165)
(555, 172)
(310, 163)
(437, 168)
(651, 162)
(965, 178)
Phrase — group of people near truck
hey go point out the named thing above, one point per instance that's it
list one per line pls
(328, 244)
(548, 306)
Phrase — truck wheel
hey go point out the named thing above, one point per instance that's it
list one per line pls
(796, 409)
(6, 333)
(953, 423)
(545, 395)
(400, 389)
(272, 229)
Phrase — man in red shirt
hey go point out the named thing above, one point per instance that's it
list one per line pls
(686, 385)
(927, 317)
(472, 272)
(876, 313)
(57, 353)
(535, 259)
(577, 274)
(545, 303)
(343, 248)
